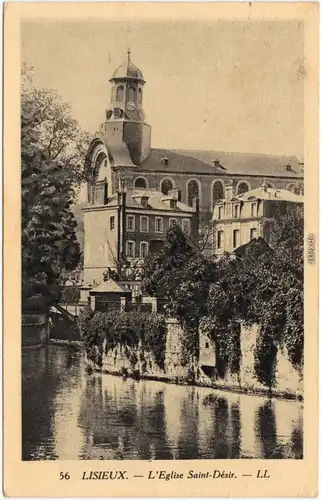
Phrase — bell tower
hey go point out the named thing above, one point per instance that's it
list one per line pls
(125, 118)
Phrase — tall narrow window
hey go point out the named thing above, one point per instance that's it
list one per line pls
(186, 226)
(172, 222)
(219, 212)
(130, 223)
(236, 238)
(166, 185)
(218, 191)
(131, 94)
(112, 223)
(253, 233)
(144, 224)
(158, 225)
(253, 210)
(143, 249)
(192, 192)
(140, 96)
(219, 239)
(130, 249)
(235, 211)
(120, 94)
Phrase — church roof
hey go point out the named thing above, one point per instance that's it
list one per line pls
(128, 70)
(221, 163)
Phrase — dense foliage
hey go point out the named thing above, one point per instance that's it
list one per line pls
(50, 179)
(259, 284)
(181, 275)
(137, 331)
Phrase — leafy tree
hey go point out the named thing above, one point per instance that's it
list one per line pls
(48, 127)
(50, 178)
(181, 275)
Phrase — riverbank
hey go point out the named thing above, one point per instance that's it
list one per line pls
(197, 383)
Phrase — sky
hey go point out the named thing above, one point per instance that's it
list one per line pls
(224, 86)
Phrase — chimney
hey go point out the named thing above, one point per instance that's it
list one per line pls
(105, 191)
(176, 193)
(228, 190)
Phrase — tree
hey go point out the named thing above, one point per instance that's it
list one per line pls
(49, 180)
(180, 274)
(48, 127)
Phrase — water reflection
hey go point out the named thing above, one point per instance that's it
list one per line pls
(68, 414)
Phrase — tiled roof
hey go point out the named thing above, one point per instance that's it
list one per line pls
(197, 162)
(270, 194)
(155, 201)
(109, 286)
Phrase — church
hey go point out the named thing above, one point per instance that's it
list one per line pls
(120, 155)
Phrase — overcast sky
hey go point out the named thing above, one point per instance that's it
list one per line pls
(220, 86)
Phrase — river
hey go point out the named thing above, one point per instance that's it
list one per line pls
(68, 414)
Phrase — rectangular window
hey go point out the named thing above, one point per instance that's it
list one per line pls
(253, 209)
(172, 222)
(130, 223)
(143, 249)
(144, 223)
(130, 249)
(220, 239)
(235, 211)
(219, 212)
(112, 223)
(236, 238)
(253, 233)
(186, 226)
(159, 225)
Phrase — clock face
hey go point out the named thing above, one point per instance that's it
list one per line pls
(118, 113)
(131, 106)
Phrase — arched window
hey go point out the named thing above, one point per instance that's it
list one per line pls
(166, 185)
(217, 191)
(192, 192)
(140, 183)
(140, 96)
(120, 93)
(242, 187)
(131, 94)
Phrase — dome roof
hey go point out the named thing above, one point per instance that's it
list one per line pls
(128, 70)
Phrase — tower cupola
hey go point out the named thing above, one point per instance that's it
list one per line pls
(127, 92)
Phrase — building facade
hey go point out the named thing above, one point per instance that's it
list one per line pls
(130, 225)
(122, 149)
(120, 154)
(238, 220)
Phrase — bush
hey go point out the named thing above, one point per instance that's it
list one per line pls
(127, 329)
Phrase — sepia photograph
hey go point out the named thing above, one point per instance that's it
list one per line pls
(162, 239)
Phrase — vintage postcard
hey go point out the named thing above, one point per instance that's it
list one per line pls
(160, 249)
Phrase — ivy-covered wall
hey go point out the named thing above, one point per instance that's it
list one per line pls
(149, 345)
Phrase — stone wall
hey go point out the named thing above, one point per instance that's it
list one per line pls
(35, 329)
(288, 380)
(137, 362)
